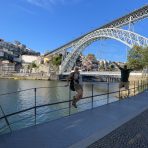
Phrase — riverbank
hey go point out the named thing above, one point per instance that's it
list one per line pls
(25, 77)
(32, 76)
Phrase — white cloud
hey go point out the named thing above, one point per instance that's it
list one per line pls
(25, 9)
(50, 3)
(39, 3)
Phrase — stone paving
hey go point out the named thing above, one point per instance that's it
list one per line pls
(133, 134)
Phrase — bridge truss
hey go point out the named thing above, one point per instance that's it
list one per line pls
(110, 30)
(127, 37)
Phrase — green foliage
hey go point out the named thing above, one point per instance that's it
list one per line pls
(112, 67)
(145, 57)
(138, 57)
(28, 67)
(91, 57)
(57, 60)
(33, 65)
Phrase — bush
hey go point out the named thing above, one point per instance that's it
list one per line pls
(138, 57)
(57, 60)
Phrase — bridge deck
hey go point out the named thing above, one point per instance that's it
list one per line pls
(78, 130)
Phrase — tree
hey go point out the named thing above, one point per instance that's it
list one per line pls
(112, 67)
(33, 65)
(145, 57)
(57, 60)
(138, 57)
(91, 57)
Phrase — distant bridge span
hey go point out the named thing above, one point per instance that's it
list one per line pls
(103, 73)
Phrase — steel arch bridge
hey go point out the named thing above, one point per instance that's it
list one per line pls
(126, 37)
(109, 30)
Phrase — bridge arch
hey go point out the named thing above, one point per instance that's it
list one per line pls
(126, 37)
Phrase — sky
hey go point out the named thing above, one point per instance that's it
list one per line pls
(44, 25)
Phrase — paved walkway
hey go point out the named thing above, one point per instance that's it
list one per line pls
(133, 134)
(79, 130)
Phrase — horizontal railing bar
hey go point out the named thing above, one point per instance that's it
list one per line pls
(80, 104)
(37, 88)
(65, 102)
(29, 89)
(66, 108)
(8, 115)
(11, 123)
(107, 93)
(50, 104)
(52, 86)
(61, 102)
(16, 91)
(34, 88)
(53, 111)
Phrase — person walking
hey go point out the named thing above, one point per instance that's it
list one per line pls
(125, 72)
(76, 85)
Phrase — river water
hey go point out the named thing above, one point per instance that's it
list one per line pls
(54, 92)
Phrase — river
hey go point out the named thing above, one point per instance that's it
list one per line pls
(22, 100)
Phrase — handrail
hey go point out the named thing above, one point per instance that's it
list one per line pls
(55, 103)
(5, 117)
(30, 89)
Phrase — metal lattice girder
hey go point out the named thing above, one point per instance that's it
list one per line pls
(126, 37)
(136, 15)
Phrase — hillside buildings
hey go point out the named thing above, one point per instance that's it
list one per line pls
(12, 55)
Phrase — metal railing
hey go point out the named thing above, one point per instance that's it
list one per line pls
(136, 87)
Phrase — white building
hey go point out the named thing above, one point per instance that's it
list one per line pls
(29, 58)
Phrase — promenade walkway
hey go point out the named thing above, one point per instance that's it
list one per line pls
(81, 129)
(133, 134)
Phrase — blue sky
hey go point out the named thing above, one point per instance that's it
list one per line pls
(47, 24)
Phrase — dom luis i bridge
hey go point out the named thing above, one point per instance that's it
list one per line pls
(112, 30)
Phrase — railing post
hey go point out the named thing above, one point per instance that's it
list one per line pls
(138, 86)
(119, 94)
(107, 92)
(35, 104)
(92, 100)
(6, 120)
(145, 85)
(147, 82)
(134, 88)
(69, 101)
(141, 86)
